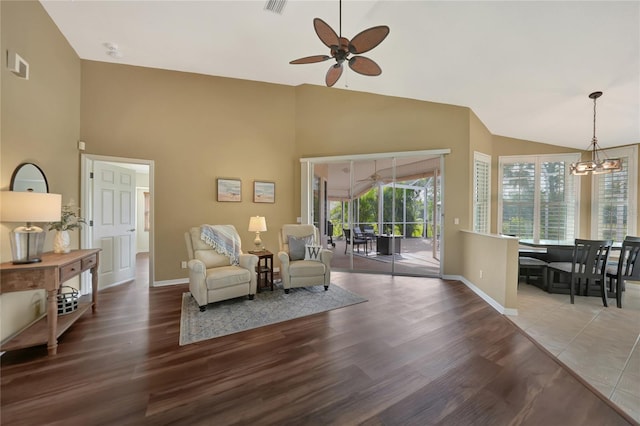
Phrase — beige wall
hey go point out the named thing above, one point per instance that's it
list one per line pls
(40, 122)
(196, 129)
(491, 265)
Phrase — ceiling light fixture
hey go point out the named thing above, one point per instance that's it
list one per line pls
(599, 163)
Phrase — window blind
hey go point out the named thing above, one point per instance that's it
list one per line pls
(518, 197)
(557, 202)
(538, 197)
(612, 203)
(482, 193)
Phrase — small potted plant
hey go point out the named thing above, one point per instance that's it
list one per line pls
(69, 220)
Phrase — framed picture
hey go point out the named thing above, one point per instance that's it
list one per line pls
(264, 192)
(229, 190)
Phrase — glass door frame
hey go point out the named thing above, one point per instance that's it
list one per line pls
(307, 180)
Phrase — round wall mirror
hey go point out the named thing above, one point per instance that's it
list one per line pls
(28, 177)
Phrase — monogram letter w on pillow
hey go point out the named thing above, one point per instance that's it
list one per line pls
(312, 252)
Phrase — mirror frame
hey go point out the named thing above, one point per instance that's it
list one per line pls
(14, 177)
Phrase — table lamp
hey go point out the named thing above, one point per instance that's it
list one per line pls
(27, 241)
(257, 224)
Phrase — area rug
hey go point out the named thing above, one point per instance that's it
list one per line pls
(268, 307)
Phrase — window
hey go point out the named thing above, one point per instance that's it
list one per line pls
(614, 206)
(481, 192)
(538, 197)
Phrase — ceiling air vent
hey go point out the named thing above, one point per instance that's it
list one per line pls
(275, 5)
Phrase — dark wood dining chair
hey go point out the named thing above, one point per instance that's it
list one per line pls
(356, 242)
(586, 270)
(628, 267)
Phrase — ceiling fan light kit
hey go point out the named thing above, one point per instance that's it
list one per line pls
(599, 163)
(341, 49)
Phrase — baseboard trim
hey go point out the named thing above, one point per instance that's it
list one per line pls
(495, 305)
(170, 282)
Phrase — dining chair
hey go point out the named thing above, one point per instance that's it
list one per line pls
(627, 268)
(587, 268)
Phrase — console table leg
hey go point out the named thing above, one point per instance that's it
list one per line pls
(52, 321)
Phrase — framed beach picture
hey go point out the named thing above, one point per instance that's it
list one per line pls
(264, 192)
(229, 190)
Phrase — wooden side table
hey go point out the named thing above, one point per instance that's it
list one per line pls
(264, 269)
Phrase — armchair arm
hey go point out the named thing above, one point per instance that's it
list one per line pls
(284, 268)
(325, 257)
(197, 283)
(250, 261)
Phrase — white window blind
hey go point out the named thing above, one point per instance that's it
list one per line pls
(518, 199)
(481, 193)
(557, 202)
(614, 198)
(538, 197)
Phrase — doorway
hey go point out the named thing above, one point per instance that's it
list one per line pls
(117, 196)
(380, 213)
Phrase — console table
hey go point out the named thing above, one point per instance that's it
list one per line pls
(49, 275)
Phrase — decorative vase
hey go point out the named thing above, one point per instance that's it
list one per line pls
(62, 242)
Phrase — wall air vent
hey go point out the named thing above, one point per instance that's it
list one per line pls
(17, 65)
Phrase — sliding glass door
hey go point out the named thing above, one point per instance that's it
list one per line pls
(379, 213)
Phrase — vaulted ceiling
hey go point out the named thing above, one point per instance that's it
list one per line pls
(525, 68)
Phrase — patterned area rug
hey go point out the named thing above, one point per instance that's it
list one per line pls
(268, 307)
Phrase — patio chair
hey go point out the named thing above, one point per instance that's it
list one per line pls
(587, 268)
(356, 242)
(627, 268)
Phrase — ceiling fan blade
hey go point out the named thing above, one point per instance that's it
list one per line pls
(334, 73)
(311, 59)
(364, 66)
(326, 33)
(368, 39)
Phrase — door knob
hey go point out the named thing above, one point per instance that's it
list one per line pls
(132, 230)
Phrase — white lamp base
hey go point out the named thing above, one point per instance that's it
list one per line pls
(258, 242)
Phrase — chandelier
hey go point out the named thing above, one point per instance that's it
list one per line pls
(599, 163)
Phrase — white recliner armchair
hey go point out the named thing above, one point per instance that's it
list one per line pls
(302, 266)
(213, 277)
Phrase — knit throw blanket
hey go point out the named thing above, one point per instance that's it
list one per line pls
(224, 239)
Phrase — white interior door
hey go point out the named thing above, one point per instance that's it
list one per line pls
(114, 191)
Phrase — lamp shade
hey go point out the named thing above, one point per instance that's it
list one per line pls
(257, 224)
(30, 206)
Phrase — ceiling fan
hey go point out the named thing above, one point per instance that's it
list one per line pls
(341, 49)
(375, 178)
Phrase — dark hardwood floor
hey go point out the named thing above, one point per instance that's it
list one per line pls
(419, 352)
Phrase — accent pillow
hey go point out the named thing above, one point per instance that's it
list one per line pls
(312, 252)
(296, 246)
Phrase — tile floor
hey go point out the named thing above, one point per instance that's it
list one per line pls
(600, 344)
